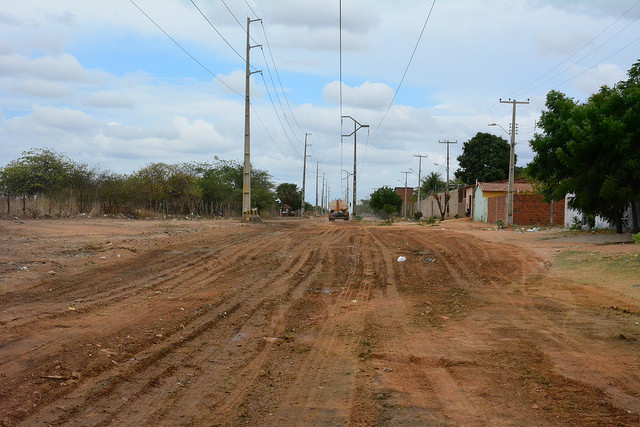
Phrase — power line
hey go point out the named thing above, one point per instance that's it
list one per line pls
(271, 77)
(254, 12)
(278, 116)
(184, 50)
(577, 51)
(588, 54)
(216, 30)
(266, 39)
(210, 72)
(407, 67)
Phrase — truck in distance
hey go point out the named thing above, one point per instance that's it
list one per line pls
(338, 209)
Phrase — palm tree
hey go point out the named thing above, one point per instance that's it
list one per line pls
(432, 183)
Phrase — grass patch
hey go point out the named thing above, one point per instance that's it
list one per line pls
(618, 271)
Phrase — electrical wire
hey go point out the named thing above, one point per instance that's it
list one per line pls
(278, 116)
(519, 91)
(184, 50)
(210, 72)
(588, 54)
(406, 68)
(219, 33)
(275, 89)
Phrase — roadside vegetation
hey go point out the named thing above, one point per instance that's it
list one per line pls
(43, 182)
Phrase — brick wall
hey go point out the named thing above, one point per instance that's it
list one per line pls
(528, 209)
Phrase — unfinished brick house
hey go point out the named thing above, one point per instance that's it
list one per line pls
(528, 207)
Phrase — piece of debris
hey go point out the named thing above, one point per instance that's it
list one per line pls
(401, 259)
(444, 317)
(388, 369)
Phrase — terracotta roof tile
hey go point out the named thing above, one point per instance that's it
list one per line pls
(519, 187)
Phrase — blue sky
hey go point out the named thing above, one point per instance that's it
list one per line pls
(100, 83)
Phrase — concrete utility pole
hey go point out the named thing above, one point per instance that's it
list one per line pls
(304, 173)
(356, 127)
(512, 158)
(404, 205)
(446, 191)
(347, 180)
(420, 156)
(448, 142)
(324, 174)
(246, 176)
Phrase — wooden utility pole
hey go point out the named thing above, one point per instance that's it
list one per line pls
(246, 176)
(512, 158)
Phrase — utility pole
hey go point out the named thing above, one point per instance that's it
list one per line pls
(356, 127)
(446, 191)
(347, 180)
(420, 156)
(404, 205)
(304, 173)
(512, 158)
(246, 176)
(324, 174)
(317, 169)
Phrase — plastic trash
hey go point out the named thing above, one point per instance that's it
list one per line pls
(401, 259)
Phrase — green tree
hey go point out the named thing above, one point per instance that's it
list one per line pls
(591, 150)
(485, 157)
(289, 194)
(385, 200)
(432, 183)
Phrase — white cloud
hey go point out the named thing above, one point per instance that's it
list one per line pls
(109, 99)
(47, 119)
(41, 88)
(368, 95)
(61, 68)
(590, 80)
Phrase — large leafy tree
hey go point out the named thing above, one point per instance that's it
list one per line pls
(385, 200)
(485, 157)
(289, 194)
(592, 150)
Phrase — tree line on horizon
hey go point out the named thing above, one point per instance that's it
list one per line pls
(65, 187)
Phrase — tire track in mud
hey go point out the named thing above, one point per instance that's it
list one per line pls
(323, 389)
(221, 339)
(28, 345)
(185, 321)
(412, 355)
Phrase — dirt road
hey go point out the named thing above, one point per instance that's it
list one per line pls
(113, 322)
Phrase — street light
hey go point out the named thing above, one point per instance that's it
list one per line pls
(496, 124)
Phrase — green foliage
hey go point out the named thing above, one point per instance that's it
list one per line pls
(432, 183)
(485, 157)
(167, 189)
(417, 216)
(636, 239)
(289, 194)
(500, 224)
(385, 200)
(591, 150)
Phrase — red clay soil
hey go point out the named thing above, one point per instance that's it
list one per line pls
(290, 322)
